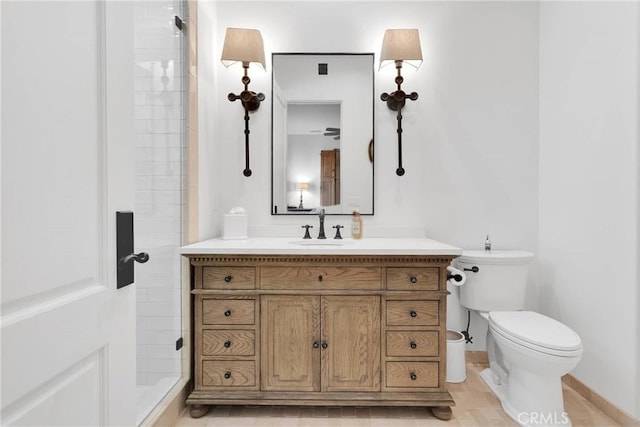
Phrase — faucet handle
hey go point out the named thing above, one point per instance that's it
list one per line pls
(306, 232)
(338, 227)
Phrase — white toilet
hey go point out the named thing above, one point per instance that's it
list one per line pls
(528, 352)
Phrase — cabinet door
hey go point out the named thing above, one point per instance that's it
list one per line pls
(351, 333)
(290, 328)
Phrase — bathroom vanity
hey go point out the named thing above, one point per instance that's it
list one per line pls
(291, 322)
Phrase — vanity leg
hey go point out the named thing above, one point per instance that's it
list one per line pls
(441, 412)
(197, 411)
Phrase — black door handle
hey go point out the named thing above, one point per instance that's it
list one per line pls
(124, 250)
(142, 257)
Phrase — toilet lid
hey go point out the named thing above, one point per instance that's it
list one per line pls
(537, 329)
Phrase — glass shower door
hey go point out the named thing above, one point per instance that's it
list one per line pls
(160, 143)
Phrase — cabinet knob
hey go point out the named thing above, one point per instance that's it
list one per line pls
(413, 376)
(227, 375)
(413, 279)
(413, 344)
(227, 313)
(227, 344)
(320, 278)
(316, 344)
(324, 345)
(227, 278)
(413, 314)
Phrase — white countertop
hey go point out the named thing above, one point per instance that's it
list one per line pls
(293, 246)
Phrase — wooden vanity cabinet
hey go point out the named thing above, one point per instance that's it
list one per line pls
(320, 343)
(339, 330)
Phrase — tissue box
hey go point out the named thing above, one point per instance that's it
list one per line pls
(234, 226)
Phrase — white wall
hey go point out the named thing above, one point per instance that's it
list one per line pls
(470, 141)
(589, 187)
(472, 144)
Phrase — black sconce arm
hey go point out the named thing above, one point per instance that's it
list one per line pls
(395, 101)
(250, 102)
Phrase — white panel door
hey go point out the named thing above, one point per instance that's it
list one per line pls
(68, 336)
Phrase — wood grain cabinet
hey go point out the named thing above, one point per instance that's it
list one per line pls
(319, 330)
(321, 343)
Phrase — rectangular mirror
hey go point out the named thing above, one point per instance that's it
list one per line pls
(322, 133)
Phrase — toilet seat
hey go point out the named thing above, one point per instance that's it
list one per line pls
(536, 332)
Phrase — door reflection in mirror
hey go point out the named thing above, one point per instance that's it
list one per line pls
(311, 154)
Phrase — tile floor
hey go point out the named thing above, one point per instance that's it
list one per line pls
(475, 406)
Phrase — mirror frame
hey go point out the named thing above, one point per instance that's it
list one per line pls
(371, 148)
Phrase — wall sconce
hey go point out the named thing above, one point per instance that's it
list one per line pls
(302, 186)
(246, 46)
(398, 46)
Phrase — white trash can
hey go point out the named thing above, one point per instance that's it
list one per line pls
(456, 368)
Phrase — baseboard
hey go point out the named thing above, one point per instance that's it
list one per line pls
(170, 408)
(609, 409)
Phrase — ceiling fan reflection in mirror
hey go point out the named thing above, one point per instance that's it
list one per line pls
(334, 132)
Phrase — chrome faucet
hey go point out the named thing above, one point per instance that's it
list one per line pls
(321, 232)
(487, 244)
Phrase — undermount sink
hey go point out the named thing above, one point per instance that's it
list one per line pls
(318, 242)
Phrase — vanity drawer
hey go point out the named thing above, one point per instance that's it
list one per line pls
(228, 373)
(228, 311)
(412, 313)
(333, 278)
(412, 374)
(228, 343)
(423, 279)
(228, 277)
(412, 343)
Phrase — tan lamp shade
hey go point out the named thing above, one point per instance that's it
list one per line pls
(243, 45)
(302, 186)
(401, 45)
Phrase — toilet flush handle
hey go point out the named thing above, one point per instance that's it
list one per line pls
(473, 269)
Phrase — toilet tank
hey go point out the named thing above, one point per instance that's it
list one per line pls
(500, 282)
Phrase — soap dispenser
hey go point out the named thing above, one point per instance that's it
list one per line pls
(356, 225)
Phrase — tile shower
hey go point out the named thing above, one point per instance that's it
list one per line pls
(160, 143)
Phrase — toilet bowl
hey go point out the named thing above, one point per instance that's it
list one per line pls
(528, 352)
(531, 353)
